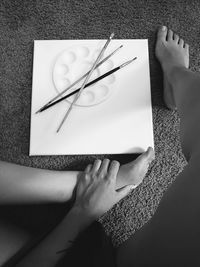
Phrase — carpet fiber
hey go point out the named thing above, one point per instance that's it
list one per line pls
(21, 22)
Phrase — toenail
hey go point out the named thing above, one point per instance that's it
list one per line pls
(163, 28)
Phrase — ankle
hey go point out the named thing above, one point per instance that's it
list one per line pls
(174, 73)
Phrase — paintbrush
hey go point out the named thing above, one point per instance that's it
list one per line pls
(88, 84)
(85, 81)
(77, 81)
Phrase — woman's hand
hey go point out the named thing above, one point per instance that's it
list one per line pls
(96, 192)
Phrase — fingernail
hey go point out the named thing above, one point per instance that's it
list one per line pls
(163, 28)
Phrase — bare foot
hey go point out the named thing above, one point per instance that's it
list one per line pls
(134, 172)
(172, 52)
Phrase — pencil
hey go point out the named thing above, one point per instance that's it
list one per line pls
(88, 84)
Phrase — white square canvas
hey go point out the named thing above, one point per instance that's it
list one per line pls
(113, 116)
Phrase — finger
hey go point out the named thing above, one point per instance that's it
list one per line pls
(113, 169)
(96, 165)
(82, 181)
(124, 191)
(104, 167)
(88, 168)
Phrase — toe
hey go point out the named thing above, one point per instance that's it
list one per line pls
(176, 38)
(170, 35)
(181, 42)
(162, 33)
(147, 157)
(187, 47)
(150, 154)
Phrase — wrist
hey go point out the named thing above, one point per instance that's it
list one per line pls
(81, 219)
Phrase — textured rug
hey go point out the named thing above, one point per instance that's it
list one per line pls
(22, 21)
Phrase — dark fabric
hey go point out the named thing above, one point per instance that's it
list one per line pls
(36, 220)
(92, 248)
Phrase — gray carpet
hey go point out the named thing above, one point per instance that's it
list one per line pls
(23, 21)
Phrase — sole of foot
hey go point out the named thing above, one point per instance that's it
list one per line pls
(134, 172)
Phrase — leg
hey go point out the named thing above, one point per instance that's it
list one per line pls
(96, 193)
(171, 237)
(181, 87)
(12, 240)
(23, 185)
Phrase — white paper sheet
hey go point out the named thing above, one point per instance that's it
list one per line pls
(113, 116)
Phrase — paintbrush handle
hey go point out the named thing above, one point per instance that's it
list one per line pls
(77, 81)
(88, 84)
(77, 90)
(85, 81)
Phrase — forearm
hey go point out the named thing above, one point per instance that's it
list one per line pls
(46, 253)
(19, 184)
